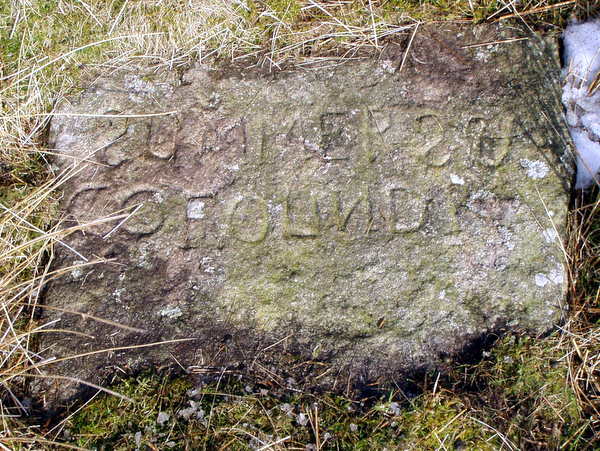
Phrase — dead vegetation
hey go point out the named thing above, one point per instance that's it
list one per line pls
(48, 46)
(581, 334)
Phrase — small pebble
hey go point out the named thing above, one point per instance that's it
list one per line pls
(302, 419)
(138, 439)
(162, 418)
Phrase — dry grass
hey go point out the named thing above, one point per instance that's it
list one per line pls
(582, 334)
(48, 46)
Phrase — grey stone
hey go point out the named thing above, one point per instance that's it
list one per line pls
(375, 218)
(162, 418)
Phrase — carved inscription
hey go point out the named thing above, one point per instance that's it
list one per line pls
(431, 134)
(86, 199)
(251, 218)
(339, 132)
(197, 223)
(113, 152)
(491, 148)
(340, 209)
(436, 138)
(146, 200)
(216, 135)
(301, 216)
(161, 142)
(407, 211)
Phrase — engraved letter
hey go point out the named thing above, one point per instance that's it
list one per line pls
(491, 146)
(87, 203)
(407, 210)
(249, 220)
(434, 148)
(197, 222)
(359, 209)
(161, 137)
(76, 201)
(301, 216)
(149, 218)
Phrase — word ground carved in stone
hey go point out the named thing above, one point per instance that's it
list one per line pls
(384, 218)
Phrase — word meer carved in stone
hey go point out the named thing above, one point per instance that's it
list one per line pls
(382, 218)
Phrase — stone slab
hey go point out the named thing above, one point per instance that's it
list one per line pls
(376, 218)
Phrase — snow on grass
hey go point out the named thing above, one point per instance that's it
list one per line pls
(581, 98)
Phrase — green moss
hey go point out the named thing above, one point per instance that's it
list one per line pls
(523, 391)
(478, 10)
(234, 416)
(284, 10)
(113, 422)
(531, 372)
(434, 421)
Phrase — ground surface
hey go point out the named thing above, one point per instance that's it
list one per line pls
(524, 394)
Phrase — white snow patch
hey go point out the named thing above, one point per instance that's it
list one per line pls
(591, 121)
(582, 65)
(456, 179)
(535, 169)
(588, 157)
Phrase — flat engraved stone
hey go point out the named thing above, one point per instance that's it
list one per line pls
(375, 218)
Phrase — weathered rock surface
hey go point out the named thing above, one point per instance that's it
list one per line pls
(380, 218)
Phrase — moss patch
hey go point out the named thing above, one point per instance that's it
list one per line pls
(516, 397)
(174, 414)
